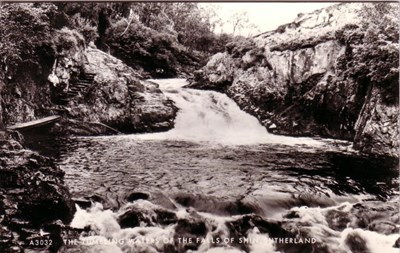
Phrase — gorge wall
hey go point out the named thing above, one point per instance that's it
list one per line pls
(324, 74)
(94, 92)
(51, 66)
(110, 94)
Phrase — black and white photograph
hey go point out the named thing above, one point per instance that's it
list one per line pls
(199, 127)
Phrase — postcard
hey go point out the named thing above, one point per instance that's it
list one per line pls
(209, 127)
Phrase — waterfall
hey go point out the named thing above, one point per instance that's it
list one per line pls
(178, 192)
(209, 116)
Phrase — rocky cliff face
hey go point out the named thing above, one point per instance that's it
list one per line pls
(113, 96)
(23, 97)
(95, 92)
(304, 79)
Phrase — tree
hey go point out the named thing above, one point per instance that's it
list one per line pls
(210, 17)
(379, 14)
(239, 20)
(26, 37)
(375, 59)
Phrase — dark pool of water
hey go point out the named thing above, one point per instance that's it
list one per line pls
(119, 165)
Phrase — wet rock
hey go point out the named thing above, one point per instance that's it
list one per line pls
(33, 194)
(337, 220)
(238, 229)
(137, 195)
(143, 213)
(356, 243)
(163, 200)
(82, 202)
(156, 197)
(188, 234)
(191, 227)
(291, 215)
(288, 230)
(383, 227)
(397, 243)
(108, 201)
(349, 220)
(165, 217)
(215, 205)
(377, 216)
(134, 218)
(241, 227)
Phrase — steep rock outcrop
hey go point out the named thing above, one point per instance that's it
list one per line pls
(116, 97)
(34, 202)
(114, 100)
(304, 79)
(23, 97)
(377, 126)
(47, 68)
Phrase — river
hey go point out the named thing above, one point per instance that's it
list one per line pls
(221, 177)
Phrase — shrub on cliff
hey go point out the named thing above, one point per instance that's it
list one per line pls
(67, 40)
(26, 38)
(138, 45)
(239, 46)
(372, 56)
(84, 26)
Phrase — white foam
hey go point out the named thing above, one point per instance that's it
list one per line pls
(260, 243)
(223, 250)
(375, 242)
(208, 116)
(102, 222)
(315, 218)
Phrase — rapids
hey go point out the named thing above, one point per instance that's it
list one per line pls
(219, 182)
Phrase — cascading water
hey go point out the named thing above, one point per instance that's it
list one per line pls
(220, 183)
(213, 117)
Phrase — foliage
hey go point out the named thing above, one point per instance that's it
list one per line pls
(25, 35)
(192, 25)
(373, 54)
(84, 26)
(164, 37)
(142, 46)
(239, 46)
(239, 20)
(380, 14)
(220, 42)
(68, 42)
